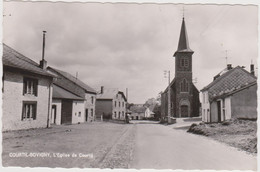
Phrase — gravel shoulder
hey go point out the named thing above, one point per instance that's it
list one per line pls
(87, 145)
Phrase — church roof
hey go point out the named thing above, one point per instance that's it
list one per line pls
(183, 45)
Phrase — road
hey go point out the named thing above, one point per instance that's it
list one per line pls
(161, 147)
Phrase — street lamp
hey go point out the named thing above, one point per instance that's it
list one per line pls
(169, 93)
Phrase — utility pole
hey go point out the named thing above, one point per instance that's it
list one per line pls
(169, 94)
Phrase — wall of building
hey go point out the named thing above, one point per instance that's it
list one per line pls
(56, 102)
(244, 103)
(13, 102)
(90, 106)
(119, 108)
(103, 107)
(205, 106)
(78, 108)
(228, 108)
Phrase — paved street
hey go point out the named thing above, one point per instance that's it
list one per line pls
(162, 147)
(141, 144)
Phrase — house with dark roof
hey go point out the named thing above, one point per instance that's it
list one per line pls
(111, 104)
(181, 92)
(73, 100)
(138, 111)
(232, 94)
(27, 90)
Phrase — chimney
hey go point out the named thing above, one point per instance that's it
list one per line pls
(252, 69)
(229, 66)
(102, 90)
(43, 63)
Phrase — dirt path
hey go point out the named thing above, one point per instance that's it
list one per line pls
(161, 147)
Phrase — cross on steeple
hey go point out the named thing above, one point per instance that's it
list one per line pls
(183, 10)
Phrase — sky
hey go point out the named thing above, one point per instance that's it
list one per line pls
(129, 45)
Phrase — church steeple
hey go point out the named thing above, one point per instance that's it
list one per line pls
(183, 45)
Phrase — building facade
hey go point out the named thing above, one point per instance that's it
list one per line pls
(232, 94)
(27, 90)
(74, 101)
(111, 104)
(184, 96)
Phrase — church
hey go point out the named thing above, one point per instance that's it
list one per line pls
(184, 96)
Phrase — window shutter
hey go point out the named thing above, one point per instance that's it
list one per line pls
(36, 88)
(34, 111)
(24, 85)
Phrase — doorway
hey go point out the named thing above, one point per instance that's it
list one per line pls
(53, 114)
(184, 111)
(219, 110)
(86, 115)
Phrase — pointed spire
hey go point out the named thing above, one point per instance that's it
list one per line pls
(183, 40)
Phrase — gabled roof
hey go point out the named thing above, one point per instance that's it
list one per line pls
(60, 93)
(229, 81)
(110, 94)
(14, 59)
(137, 109)
(74, 80)
(235, 90)
(183, 45)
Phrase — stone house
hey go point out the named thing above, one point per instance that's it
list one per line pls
(232, 94)
(184, 96)
(73, 100)
(27, 90)
(111, 104)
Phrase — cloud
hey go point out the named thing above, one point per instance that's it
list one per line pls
(126, 45)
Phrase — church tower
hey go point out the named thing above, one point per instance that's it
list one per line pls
(183, 76)
(184, 95)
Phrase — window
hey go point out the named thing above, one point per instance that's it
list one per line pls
(119, 115)
(119, 104)
(123, 104)
(115, 103)
(184, 86)
(123, 113)
(29, 110)
(114, 114)
(92, 113)
(92, 99)
(30, 86)
(79, 114)
(184, 62)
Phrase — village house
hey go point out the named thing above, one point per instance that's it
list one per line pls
(184, 96)
(149, 111)
(232, 94)
(27, 90)
(111, 104)
(73, 100)
(138, 112)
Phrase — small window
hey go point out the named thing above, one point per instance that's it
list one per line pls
(29, 110)
(92, 112)
(79, 114)
(30, 86)
(123, 114)
(184, 86)
(115, 103)
(114, 114)
(184, 62)
(123, 104)
(119, 104)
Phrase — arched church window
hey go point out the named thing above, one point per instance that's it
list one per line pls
(184, 85)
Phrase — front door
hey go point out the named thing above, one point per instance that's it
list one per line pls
(53, 114)
(219, 110)
(66, 112)
(184, 111)
(86, 115)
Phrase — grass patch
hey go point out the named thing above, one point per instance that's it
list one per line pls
(235, 132)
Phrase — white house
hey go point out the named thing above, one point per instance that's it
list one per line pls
(27, 90)
(232, 94)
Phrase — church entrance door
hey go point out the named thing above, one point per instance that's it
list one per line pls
(184, 111)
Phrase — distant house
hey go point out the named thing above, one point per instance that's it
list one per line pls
(138, 111)
(232, 94)
(149, 112)
(27, 90)
(111, 104)
(73, 100)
